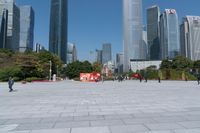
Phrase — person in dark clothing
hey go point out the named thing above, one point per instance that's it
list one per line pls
(158, 79)
(140, 77)
(145, 76)
(198, 79)
(10, 83)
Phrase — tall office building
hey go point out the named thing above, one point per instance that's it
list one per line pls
(58, 29)
(39, 48)
(119, 62)
(132, 32)
(153, 18)
(12, 41)
(169, 34)
(99, 56)
(26, 28)
(190, 37)
(3, 28)
(71, 53)
(106, 53)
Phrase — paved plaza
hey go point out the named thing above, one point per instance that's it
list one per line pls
(109, 107)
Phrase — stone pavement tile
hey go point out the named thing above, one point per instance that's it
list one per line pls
(169, 119)
(4, 128)
(139, 121)
(164, 126)
(194, 113)
(28, 131)
(2, 121)
(188, 131)
(159, 132)
(66, 130)
(88, 118)
(72, 124)
(37, 126)
(192, 117)
(128, 129)
(65, 119)
(190, 124)
(116, 117)
(146, 115)
(106, 123)
(49, 120)
(91, 130)
(23, 121)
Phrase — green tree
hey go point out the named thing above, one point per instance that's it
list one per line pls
(74, 69)
(166, 64)
(181, 63)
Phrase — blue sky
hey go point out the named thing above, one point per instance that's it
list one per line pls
(93, 22)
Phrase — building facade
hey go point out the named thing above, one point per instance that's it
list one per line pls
(153, 19)
(106, 53)
(169, 34)
(26, 28)
(58, 29)
(3, 28)
(71, 53)
(99, 56)
(39, 48)
(119, 62)
(12, 41)
(190, 37)
(132, 32)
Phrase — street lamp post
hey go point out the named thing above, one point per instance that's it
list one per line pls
(50, 65)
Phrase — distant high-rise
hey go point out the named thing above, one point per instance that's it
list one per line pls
(39, 48)
(169, 34)
(190, 37)
(12, 41)
(106, 53)
(119, 62)
(26, 28)
(153, 18)
(71, 53)
(3, 28)
(99, 56)
(132, 32)
(58, 29)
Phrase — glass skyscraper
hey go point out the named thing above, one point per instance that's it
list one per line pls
(99, 56)
(169, 34)
(26, 28)
(58, 29)
(132, 32)
(71, 53)
(153, 18)
(12, 41)
(106, 53)
(3, 28)
(190, 37)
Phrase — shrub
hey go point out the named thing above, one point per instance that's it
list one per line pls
(5, 73)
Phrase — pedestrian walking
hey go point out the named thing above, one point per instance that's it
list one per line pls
(198, 79)
(158, 79)
(10, 83)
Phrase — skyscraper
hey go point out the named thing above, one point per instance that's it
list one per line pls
(99, 56)
(3, 28)
(12, 41)
(132, 32)
(26, 28)
(71, 53)
(153, 18)
(106, 53)
(169, 34)
(119, 62)
(58, 29)
(190, 37)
